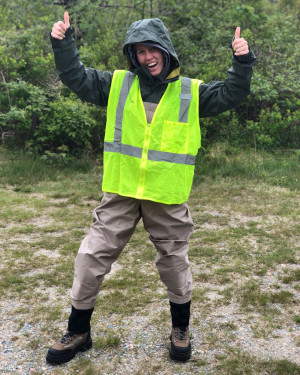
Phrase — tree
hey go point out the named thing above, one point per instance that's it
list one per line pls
(31, 95)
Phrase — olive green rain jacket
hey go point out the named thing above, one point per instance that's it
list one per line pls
(93, 85)
(159, 172)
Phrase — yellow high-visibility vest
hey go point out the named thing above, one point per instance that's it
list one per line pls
(153, 161)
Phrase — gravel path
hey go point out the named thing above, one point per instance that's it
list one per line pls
(144, 344)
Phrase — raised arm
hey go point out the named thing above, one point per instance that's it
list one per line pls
(220, 96)
(89, 84)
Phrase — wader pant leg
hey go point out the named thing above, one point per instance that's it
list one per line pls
(170, 227)
(114, 222)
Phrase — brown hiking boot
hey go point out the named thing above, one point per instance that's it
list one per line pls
(66, 348)
(181, 348)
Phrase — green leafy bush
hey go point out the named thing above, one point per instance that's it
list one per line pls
(68, 123)
(23, 107)
(38, 113)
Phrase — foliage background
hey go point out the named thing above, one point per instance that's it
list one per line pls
(40, 115)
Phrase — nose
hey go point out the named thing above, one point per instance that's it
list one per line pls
(148, 55)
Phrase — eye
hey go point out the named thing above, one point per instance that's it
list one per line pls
(140, 51)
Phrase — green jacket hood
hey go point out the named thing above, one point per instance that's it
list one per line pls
(154, 30)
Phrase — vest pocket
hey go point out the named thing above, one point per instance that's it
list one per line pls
(175, 137)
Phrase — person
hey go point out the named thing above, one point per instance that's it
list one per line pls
(152, 136)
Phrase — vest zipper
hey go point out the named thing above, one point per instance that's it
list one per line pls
(144, 161)
(140, 190)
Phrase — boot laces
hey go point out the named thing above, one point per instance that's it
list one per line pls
(179, 333)
(66, 337)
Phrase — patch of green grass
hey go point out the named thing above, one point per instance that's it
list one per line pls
(51, 228)
(202, 276)
(111, 340)
(227, 294)
(199, 294)
(206, 252)
(146, 253)
(237, 362)
(23, 189)
(24, 170)
(47, 313)
(282, 297)
(297, 319)
(9, 280)
(151, 368)
(71, 247)
(34, 343)
(60, 275)
(282, 367)
(25, 229)
(52, 242)
(128, 278)
(62, 195)
(163, 317)
(251, 296)
(124, 302)
(11, 215)
(293, 276)
(274, 169)
(84, 366)
(229, 326)
(278, 255)
(200, 363)
(124, 287)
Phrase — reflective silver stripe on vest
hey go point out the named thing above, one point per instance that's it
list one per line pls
(126, 85)
(170, 157)
(123, 149)
(185, 99)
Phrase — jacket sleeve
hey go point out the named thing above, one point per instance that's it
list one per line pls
(91, 85)
(220, 96)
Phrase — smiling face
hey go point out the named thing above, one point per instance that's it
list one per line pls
(151, 57)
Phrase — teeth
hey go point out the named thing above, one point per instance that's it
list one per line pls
(151, 65)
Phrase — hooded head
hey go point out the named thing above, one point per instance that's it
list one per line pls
(152, 32)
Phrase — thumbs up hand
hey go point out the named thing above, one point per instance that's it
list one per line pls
(59, 29)
(239, 45)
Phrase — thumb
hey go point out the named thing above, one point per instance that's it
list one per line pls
(237, 32)
(66, 19)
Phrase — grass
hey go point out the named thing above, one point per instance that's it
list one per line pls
(106, 342)
(236, 363)
(244, 257)
(251, 296)
(275, 169)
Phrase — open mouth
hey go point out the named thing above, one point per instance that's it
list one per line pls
(152, 65)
